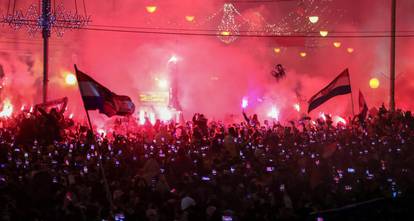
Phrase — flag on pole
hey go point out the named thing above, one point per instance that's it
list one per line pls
(339, 86)
(97, 97)
(363, 107)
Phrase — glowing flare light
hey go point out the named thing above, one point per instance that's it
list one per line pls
(337, 44)
(297, 107)
(7, 110)
(276, 50)
(245, 103)
(302, 54)
(338, 119)
(273, 113)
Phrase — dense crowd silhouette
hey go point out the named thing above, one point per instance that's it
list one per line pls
(52, 168)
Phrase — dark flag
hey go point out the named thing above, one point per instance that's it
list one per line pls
(97, 97)
(339, 86)
(363, 107)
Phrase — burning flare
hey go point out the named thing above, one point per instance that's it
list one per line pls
(7, 110)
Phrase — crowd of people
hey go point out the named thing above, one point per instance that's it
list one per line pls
(52, 168)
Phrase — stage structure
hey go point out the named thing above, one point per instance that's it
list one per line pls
(46, 18)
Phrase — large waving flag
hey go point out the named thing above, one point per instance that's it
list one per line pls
(363, 107)
(97, 97)
(339, 86)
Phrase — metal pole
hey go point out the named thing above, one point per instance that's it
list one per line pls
(392, 63)
(46, 4)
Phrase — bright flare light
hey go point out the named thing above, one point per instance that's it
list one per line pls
(70, 79)
(173, 59)
(245, 102)
(323, 33)
(71, 116)
(350, 50)
(141, 117)
(374, 83)
(297, 107)
(7, 110)
(302, 54)
(101, 132)
(162, 83)
(151, 8)
(276, 50)
(338, 119)
(313, 19)
(322, 115)
(337, 44)
(189, 18)
(165, 114)
(273, 113)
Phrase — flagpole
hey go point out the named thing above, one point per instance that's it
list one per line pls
(352, 94)
(107, 190)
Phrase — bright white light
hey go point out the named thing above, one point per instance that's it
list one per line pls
(152, 118)
(245, 102)
(322, 115)
(165, 114)
(162, 83)
(141, 117)
(101, 132)
(71, 116)
(7, 110)
(273, 113)
(297, 107)
(173, 59)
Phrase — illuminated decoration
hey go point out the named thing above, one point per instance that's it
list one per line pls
(70, 79)
(303, 54)
(157, 98)
(58, 18)
(228, 29)
(245, 102)
(323, 33)
(276, 50)
(7, 109)
(313, 19)
(337, 44)
(374, 83)
(273, 113)
(297, 107)
(162, 83)
(231, 22)
(350, 50)
(151, 8)
(189, 18)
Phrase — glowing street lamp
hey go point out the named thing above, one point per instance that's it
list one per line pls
(374, 83)
(189, 18)
(350, 50)
(303, 54)
(151, 8)
(323, 33)
(313, 19)
(337, 44)
(70, 79)
(276, 50)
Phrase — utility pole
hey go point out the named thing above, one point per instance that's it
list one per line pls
(45, 23)
(392, 63)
